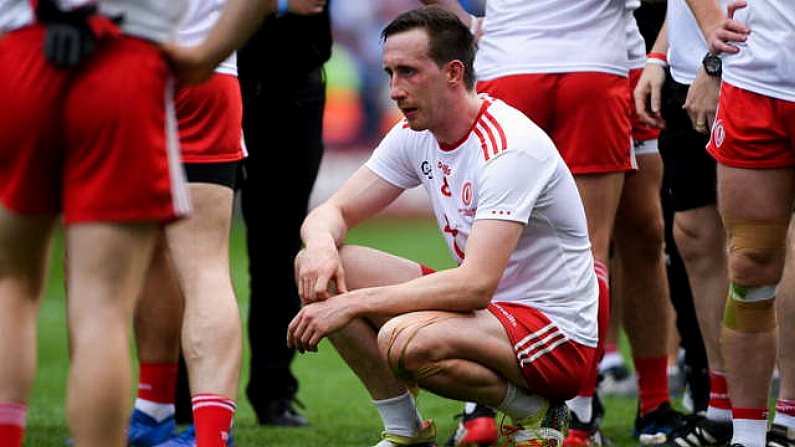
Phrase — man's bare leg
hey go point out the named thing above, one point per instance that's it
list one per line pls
(211, 330)
(755, 206)
(701, 241)
(107, 264)
(24, 250)
(784, 421)
(647, 311)
(158, 325)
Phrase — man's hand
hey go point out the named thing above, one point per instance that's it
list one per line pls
(648, 94)
(728, 30)
(702, 101)
(316, 321)
(316, 270)
(306, 7)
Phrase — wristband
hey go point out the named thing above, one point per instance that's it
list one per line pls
(658, 62)
(282, 7)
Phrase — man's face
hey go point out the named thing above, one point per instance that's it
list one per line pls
(416, 83)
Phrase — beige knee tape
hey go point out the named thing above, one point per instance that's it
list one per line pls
(755, 316)
(411, 331)
(757, 237)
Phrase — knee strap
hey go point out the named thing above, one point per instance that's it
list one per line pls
(411, 331)
(757, 237)
(750, 309)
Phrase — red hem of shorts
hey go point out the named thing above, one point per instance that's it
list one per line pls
(580, 170)
(219, 159)
(120, 217)
(771, 164)
(14, 209)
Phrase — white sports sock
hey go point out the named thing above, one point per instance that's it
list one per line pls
(582, 407)
(519, 405)
(785, 420)
(399, 414)
(750, 432)
(611, 360)
(719, 414)
(469, 407)
(155, 410)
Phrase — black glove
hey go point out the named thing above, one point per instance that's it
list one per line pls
(69, 38)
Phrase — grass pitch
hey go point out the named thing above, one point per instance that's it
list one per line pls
(336, 403)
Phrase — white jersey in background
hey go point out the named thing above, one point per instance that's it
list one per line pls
(15, 14)
(636, 46)
(686, 44)
(766, 61)
(552, 36)
(155, 20)
(506, 168)
(199, 19)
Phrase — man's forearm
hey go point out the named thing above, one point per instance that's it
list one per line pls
(324, 225)
(708, 14)
(454, 290)
(661, 44)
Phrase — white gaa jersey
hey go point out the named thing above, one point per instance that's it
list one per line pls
(552, 36)
(195, 27)
(686, 44)
(766, 61)
(506, 168)
(636, 46)
(15, 14)
(155, 20)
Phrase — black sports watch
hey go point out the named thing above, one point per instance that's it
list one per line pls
(713, 65)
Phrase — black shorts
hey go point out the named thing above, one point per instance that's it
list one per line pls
(223, 174)
(690, 172)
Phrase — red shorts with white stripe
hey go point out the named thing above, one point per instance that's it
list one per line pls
(640, 130)
(553, 366)
(98, 143)
(210, 117)
(585, 114)
(753, 131)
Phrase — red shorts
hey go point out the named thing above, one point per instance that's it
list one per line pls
(210, 117)
(553, 366)
(585, 114)
(640, 130)
(753, 131)
(98, 143)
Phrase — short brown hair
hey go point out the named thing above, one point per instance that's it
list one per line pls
(449, 38)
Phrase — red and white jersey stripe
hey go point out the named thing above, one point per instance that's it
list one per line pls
(507, 168)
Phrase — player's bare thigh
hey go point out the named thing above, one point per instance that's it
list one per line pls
(368, 267)
(433, 336)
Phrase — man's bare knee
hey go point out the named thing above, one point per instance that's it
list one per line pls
(411, 356)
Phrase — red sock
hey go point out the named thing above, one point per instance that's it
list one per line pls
(652, 382)
(212, 416)
(157, 382)
(610, 348)
(12, 423)
(718, 391)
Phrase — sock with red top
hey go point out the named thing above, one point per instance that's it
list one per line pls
(750, 426)
(212, 417)
(720, 407)
(157, 384)
(12, 423)
(785, 413)
(652, 382)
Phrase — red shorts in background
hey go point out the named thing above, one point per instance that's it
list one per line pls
(753, 131)
(97, 142)
(585, 114)
(553, 366)
(210, 117)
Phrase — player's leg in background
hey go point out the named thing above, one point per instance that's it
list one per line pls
(782, 432)
(24, 250)
(211, 330)
(157, 323)
(647, 312)
(107, 264)
(755, 206)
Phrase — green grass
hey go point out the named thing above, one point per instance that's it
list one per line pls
(336, 404)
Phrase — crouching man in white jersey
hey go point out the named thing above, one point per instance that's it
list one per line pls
(515, 324)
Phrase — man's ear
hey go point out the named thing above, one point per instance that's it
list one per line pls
(454, 70)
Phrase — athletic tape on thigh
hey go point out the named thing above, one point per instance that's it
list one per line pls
(400, 370)
(757, 237)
